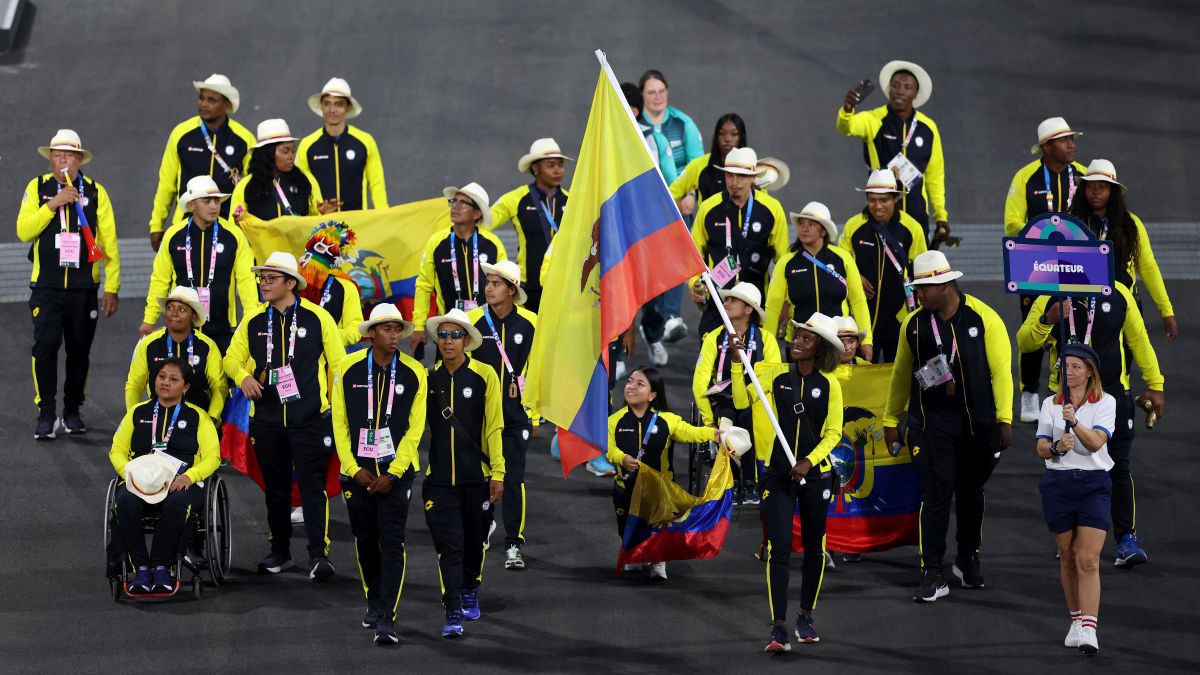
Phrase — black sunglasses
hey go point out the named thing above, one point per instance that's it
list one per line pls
(452, 334)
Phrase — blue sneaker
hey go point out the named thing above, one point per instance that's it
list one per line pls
(370, 619)
(470, 604)
(163, 581)
(142, 581)
(1130, 552)
(779, 641)
(454, 624)
(601, 467)
(804, 629)
(47, 427)
(554, 447)
(72, 423)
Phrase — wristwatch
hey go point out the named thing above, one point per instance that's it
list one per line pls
(1042, 320)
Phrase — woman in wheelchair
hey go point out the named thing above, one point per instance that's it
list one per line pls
(163, 447)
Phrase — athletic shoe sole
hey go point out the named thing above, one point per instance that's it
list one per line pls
(513, 565)
(1135, 559)
(69, 431)
(962, 578)
(810, 641)
(386, 639)
(452, 634)
(50, 436)
(774, 647)
(322, 571)
(1088, 650)
(263, 569)
(939, 592)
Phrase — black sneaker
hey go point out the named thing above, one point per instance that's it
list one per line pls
(275, 563)
(967, 571)
(805, 632)
(370, 619)
(750, 488)
(164, 582)
(47, 427)
(779, 641)
(932, 586)
(385, 633)
(320, 569)
(142, 581)
(72, 423)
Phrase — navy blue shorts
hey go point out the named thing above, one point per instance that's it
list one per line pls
(1073, 497)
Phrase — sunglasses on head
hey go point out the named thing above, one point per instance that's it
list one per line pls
(452, 334)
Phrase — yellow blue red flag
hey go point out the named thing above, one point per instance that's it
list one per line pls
(622, 242)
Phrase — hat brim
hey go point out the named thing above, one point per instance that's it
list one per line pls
(527, 161)
(314, 104)
(937, 279)
(301, 284)
(432, 325)
(187, 199)
(273, 141)
(44, 151)
(743, 172)
(728, 293)
(1037, 149)
(1097, 178)
(924, 82)
(228, 91)
(365, 326)
(829, 225)
(482, 204)
(782, 174)
(522, 297)
(830, 337)
(200, 317)
(882, 191)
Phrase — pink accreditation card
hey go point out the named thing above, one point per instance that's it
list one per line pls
(285, 384)
(68, 248)
(205, 299)
(722, 274)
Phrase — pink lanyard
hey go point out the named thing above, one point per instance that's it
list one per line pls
(908, 296)
(1087, 337)
(286, 205)
(750, 347)
(212, 258)
(937, 337)
(387, 416)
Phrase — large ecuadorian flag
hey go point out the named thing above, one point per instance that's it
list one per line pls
(622, 242)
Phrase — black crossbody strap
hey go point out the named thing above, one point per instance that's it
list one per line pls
(448, 414)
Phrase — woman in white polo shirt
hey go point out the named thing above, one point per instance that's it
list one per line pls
(1072, 437)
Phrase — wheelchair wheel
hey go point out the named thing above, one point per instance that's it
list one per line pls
(109, 499)
(218, 535)
(693, 459)
(197, 588)
(114, 587)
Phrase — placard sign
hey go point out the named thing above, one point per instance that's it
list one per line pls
(1057, 254)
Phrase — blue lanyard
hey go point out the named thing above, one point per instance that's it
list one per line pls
(170, 428)
(749, 210)
(825, 268)
(271, 333)
(646, 436)
(487, 314)
(387, 416)
(548, 212)
(327, 290)
(212, 258)
(1050, 193)
(751, 346)
(83, 221)
(454, 264)
(171, 346)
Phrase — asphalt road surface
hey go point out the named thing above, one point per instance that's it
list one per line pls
(456, 91)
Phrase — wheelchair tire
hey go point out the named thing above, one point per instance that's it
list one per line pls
(197, 588)
(110, 499)
(114, 587)
(218, 535)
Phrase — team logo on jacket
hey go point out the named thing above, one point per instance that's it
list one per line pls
(919, 141)
(816, 392)
(328, 441)
(399, 389)
(827, 494)
(483, 257)
(194, 360)
(756, 226)
(182, 424)
(229, 150)
(220, 248)
(486, 504)
(525, 434)
(85, 200)
(467, 392)
(1106, 306)
(428, 504)
(350, 154)
(518, 338)
(303, 332)
(973, 331)
(754, 257)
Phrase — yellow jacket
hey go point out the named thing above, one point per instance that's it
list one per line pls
(865, 125)
(705, 375)
(855, 301)
(360, 153)
(172, 178)
(764, 433)
(208, 454)
(346, 423)
(164, 275)
(139, 372)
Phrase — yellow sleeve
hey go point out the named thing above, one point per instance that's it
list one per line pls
(700, 235)
(1032, 335)
(780, 235)
(614, 455)
(831, 430)
(238, 199)
(998, 349)
(247, 136)
(845, 243)
(771, 350)
(341, 425)
(376, 185)
(682, 432)
(935, 174)
(1147, 269)
(168, 181)
(776, 295)
(162, 276)
(208, 457)
(1138, 341)
(218, 389)
(689, 180)
(352, 314)
(331, 339)
(33, 216)
(243, 275)
(302, 150)
(1015, 208)
(898, 389)
(862, 125)
(501, 253)
(534, 415)
(918, 236)
(406, 449)
(856, 298)
(743, 396)
(426, 283)
(120, 453)
(314, 196)
(238, 363)
(505, 208)
(702, 376)
(545, 264)
(139, 375)
(493, 421)
(106, 239)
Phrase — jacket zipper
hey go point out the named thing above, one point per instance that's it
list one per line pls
(453, 461)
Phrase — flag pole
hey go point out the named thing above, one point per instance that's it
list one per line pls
(762, 397)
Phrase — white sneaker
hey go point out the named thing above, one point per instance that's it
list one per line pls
(674, 330)
(298, 515)
(658, 572)
(513, 560)
(1029, 407)
(619, 374)
(487, 543)
(1088, 643)
(829, 564)
(1072, 639)
(658, 354)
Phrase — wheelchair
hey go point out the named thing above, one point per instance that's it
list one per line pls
(700, 457)
(210, 528)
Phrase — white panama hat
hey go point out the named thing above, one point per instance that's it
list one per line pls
(542, 148)
(220, 84)
(336, 86)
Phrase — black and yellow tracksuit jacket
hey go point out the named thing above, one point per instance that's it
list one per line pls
(472, 393)
(435, 276)
(193, 440)
(762, 347)
(698, 176)
(1118, 325)
(626, 431)
(1027, 194)
(233, 276)
(346, 167)
(407, 422)
(807, 288)
(883, 133)
(534, 231)
(38, 224)
(208, 387)
(318, 345)
(766, 237)
(187, 156)
(303, 195)
(1142, 264)
(811, 417)
(344, 306)
(516, 331)
(861, 238)
(982, 368)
